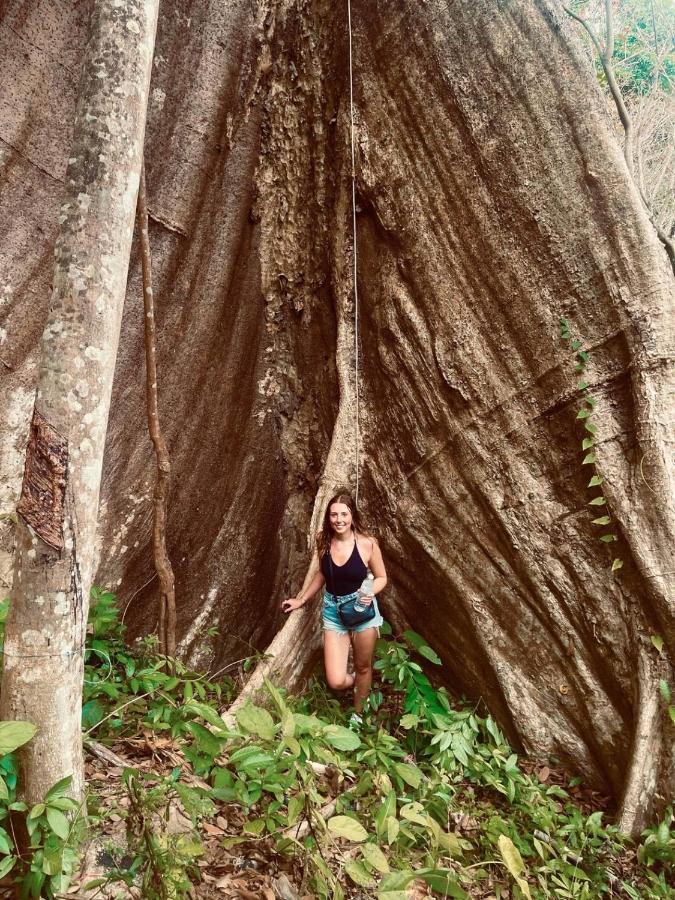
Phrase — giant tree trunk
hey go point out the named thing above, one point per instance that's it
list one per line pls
(493, 198)
(45, 633)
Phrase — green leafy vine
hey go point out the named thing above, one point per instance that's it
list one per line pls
(585, 415)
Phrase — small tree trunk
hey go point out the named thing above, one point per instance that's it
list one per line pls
(167, 592)
(44, 644)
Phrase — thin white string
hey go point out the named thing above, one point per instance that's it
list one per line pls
(76, 652)
(354, 254)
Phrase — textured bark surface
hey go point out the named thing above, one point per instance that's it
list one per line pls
(56, 529)
(493, 198)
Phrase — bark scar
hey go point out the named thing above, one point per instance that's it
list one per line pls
(44, 482)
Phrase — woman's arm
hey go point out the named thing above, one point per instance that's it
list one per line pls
(376, 566)
(313, 581)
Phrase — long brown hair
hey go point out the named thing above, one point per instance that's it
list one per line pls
(324, 536)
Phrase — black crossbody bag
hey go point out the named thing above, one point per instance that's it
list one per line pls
(349, 616)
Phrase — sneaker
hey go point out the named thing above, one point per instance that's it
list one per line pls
(355, 721)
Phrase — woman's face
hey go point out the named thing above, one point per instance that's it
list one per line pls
(340, 518)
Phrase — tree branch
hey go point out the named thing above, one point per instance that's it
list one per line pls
(605, 56)
(167, 609)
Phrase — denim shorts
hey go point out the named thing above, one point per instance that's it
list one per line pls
(331, 619)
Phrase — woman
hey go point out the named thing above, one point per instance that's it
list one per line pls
(343, 555)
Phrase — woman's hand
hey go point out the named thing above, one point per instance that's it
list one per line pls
(291, 604)
(366, 599)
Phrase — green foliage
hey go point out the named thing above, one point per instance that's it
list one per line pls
(644, 56)
(164, 863)
(427, 790)
(584, 414)
(161, 700)
(44, 864)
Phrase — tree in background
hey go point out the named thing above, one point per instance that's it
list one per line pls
(644, 65)
(58, 510)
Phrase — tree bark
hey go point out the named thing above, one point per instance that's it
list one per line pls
(45, 633)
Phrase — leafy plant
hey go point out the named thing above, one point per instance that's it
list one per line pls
(43, 866)
(584, 414)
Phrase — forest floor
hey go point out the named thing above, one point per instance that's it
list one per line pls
(425, 799)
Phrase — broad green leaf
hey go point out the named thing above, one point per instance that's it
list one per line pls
(414, 812)
(255, 720)
(608, 538)
(59, 789)
(588, 460)
(664, 688)
(443, 839)
(341, 738)
(58, 823)
(4, 792)
(514, 863)
(597, 501)
(393, 828)
(410, 774)
(387, 809)
(14, 735)
(409, 721)
(295, 806)
(206, 712)
(6, 865)
(603, 520)
(207, 742)
(358, 873)
(307, 724)
(430, 654)
(395, 881)
(417, 641)
(293, 746)
(595, 481)
(587, 443)
(346, 827)
(5, 846)
(589, 426)
(450, 843)
(583, 385)
(657, 641)
(494, 731)
(444, 881)
(287, 724)
(375, 857)
(276, 696)
(617, 564)
(251, 758)
(254, 826)
(583, 413)
(37, 811)
(576, 344)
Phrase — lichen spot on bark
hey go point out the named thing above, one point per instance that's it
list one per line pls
(44, 482)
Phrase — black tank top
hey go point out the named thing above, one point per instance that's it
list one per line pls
(345, 579)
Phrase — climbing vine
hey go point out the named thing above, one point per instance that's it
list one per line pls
(585, 416)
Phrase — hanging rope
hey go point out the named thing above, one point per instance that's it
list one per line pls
(354, 254)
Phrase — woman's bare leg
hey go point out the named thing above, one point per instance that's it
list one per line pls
(364, 647)
(335, 656)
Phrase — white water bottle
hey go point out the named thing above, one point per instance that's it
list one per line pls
(365, 589)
